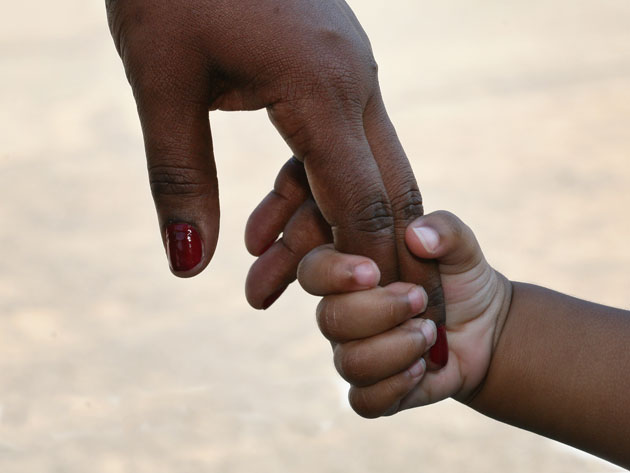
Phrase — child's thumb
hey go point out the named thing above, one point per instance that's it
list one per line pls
(443, 236)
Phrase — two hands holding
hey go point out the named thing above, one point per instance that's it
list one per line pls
(378, 339)
(522, 354)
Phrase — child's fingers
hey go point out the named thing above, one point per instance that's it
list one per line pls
(384, 397)
(276, 267)
(325, 271)
(434, 386)
(271, 216)
(443, 236)
(368, 361)
(362, 314)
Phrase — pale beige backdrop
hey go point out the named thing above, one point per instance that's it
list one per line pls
(515, 115)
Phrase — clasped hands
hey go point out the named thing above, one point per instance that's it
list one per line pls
(310, 65)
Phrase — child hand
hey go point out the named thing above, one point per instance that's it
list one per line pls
(379, 345)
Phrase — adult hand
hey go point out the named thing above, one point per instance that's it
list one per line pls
(311, 66)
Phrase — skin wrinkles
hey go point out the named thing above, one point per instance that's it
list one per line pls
(310, 64)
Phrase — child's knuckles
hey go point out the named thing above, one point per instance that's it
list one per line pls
(308, 266)
(391, 410)
(329, 315)
(303, 276)
(394, 388)
(363, 403)
(353, 364)
(411, 343)
(379, 399)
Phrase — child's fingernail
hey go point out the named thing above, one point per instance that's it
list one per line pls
(418, 368)
(183, 246)
(417, 299)
(365, 274)
(273, 298)
(439, 352)
(429, 331)
(429, 238)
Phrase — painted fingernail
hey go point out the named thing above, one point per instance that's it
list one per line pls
(365, 274)
(417, 299)
(439, 352)
(273, 298)
(429, 330)
(183, 246)
(429, 238)
(418, 368)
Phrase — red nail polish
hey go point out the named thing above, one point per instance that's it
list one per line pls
(273, 298)
(183, 246)
(438, 353)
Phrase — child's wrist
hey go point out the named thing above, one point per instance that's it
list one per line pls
(504, 298)
(499, 308)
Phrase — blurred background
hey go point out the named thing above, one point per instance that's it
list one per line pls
(515, 115)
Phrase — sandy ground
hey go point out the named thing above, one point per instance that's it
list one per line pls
(515, 116)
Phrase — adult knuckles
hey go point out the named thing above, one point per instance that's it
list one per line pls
(340, 84)
(340, 73)
(407, 206)
(373, 215)
(344, 88)
(348, 46)
(169, 180)
(368, 228)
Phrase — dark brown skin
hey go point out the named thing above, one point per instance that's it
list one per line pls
(560, 369)
(310, 64)
(522, 354)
